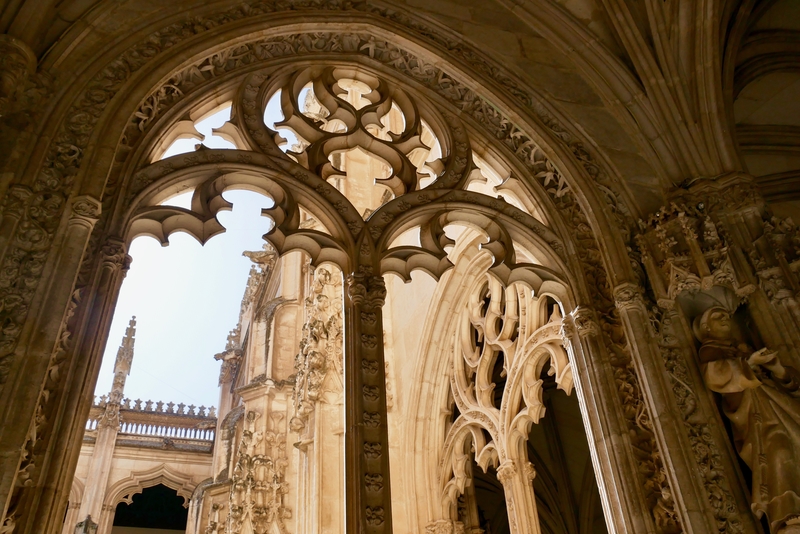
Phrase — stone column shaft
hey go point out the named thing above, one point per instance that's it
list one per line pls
(691, 503)
(517, 480)
(93, 321)
(99, 469)
(367, 489)
(616, 468)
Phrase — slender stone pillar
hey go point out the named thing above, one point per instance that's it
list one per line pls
(367, 489)
(616, 466)
(70, 406)
(36, 368)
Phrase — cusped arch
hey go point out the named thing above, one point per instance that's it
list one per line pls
(123, 490)
(522, 141)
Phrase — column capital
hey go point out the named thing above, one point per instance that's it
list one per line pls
(366, 289)
(629, 295)
(506, 472)
(85, 211)
(114, 253)
(583, 322)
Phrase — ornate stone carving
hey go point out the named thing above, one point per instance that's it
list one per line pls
(66, 156)
(321, 345)
(684, 249)
(366, 290)
(651, 468)
(706, 449)
(494, 418)
(444, 526)
(258, 485)
(17, 63)
(585, 322)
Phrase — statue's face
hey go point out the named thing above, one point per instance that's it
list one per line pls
(718, 324)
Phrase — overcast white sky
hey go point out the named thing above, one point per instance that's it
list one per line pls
(186, 297)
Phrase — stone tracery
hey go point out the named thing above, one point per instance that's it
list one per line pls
(509, 329)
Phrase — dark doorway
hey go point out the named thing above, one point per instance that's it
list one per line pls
(157, 507)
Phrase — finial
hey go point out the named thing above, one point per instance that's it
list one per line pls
(122, 366)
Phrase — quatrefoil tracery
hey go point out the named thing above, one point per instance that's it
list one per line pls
(354, 106)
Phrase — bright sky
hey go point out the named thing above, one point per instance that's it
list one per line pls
(186, 297)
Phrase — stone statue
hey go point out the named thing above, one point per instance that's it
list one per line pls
(761, 398)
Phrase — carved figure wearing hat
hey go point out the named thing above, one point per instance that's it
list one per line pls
(761, 399)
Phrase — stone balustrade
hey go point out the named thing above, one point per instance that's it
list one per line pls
(167, 422)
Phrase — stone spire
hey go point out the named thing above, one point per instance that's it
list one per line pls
(122, 367)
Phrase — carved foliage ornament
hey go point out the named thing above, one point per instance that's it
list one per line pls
(258, 485)
(321, 344)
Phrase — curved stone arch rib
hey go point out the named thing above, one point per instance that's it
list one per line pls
(501, 222)
(224, 169)
(520, 142)
(124, 490)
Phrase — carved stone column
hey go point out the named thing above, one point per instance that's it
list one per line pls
(38, 368)
(691, 503)
(367, 489)
(517, 480)
(617, 466)
(82, 346)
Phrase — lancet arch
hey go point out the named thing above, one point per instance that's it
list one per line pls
(130, 194)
